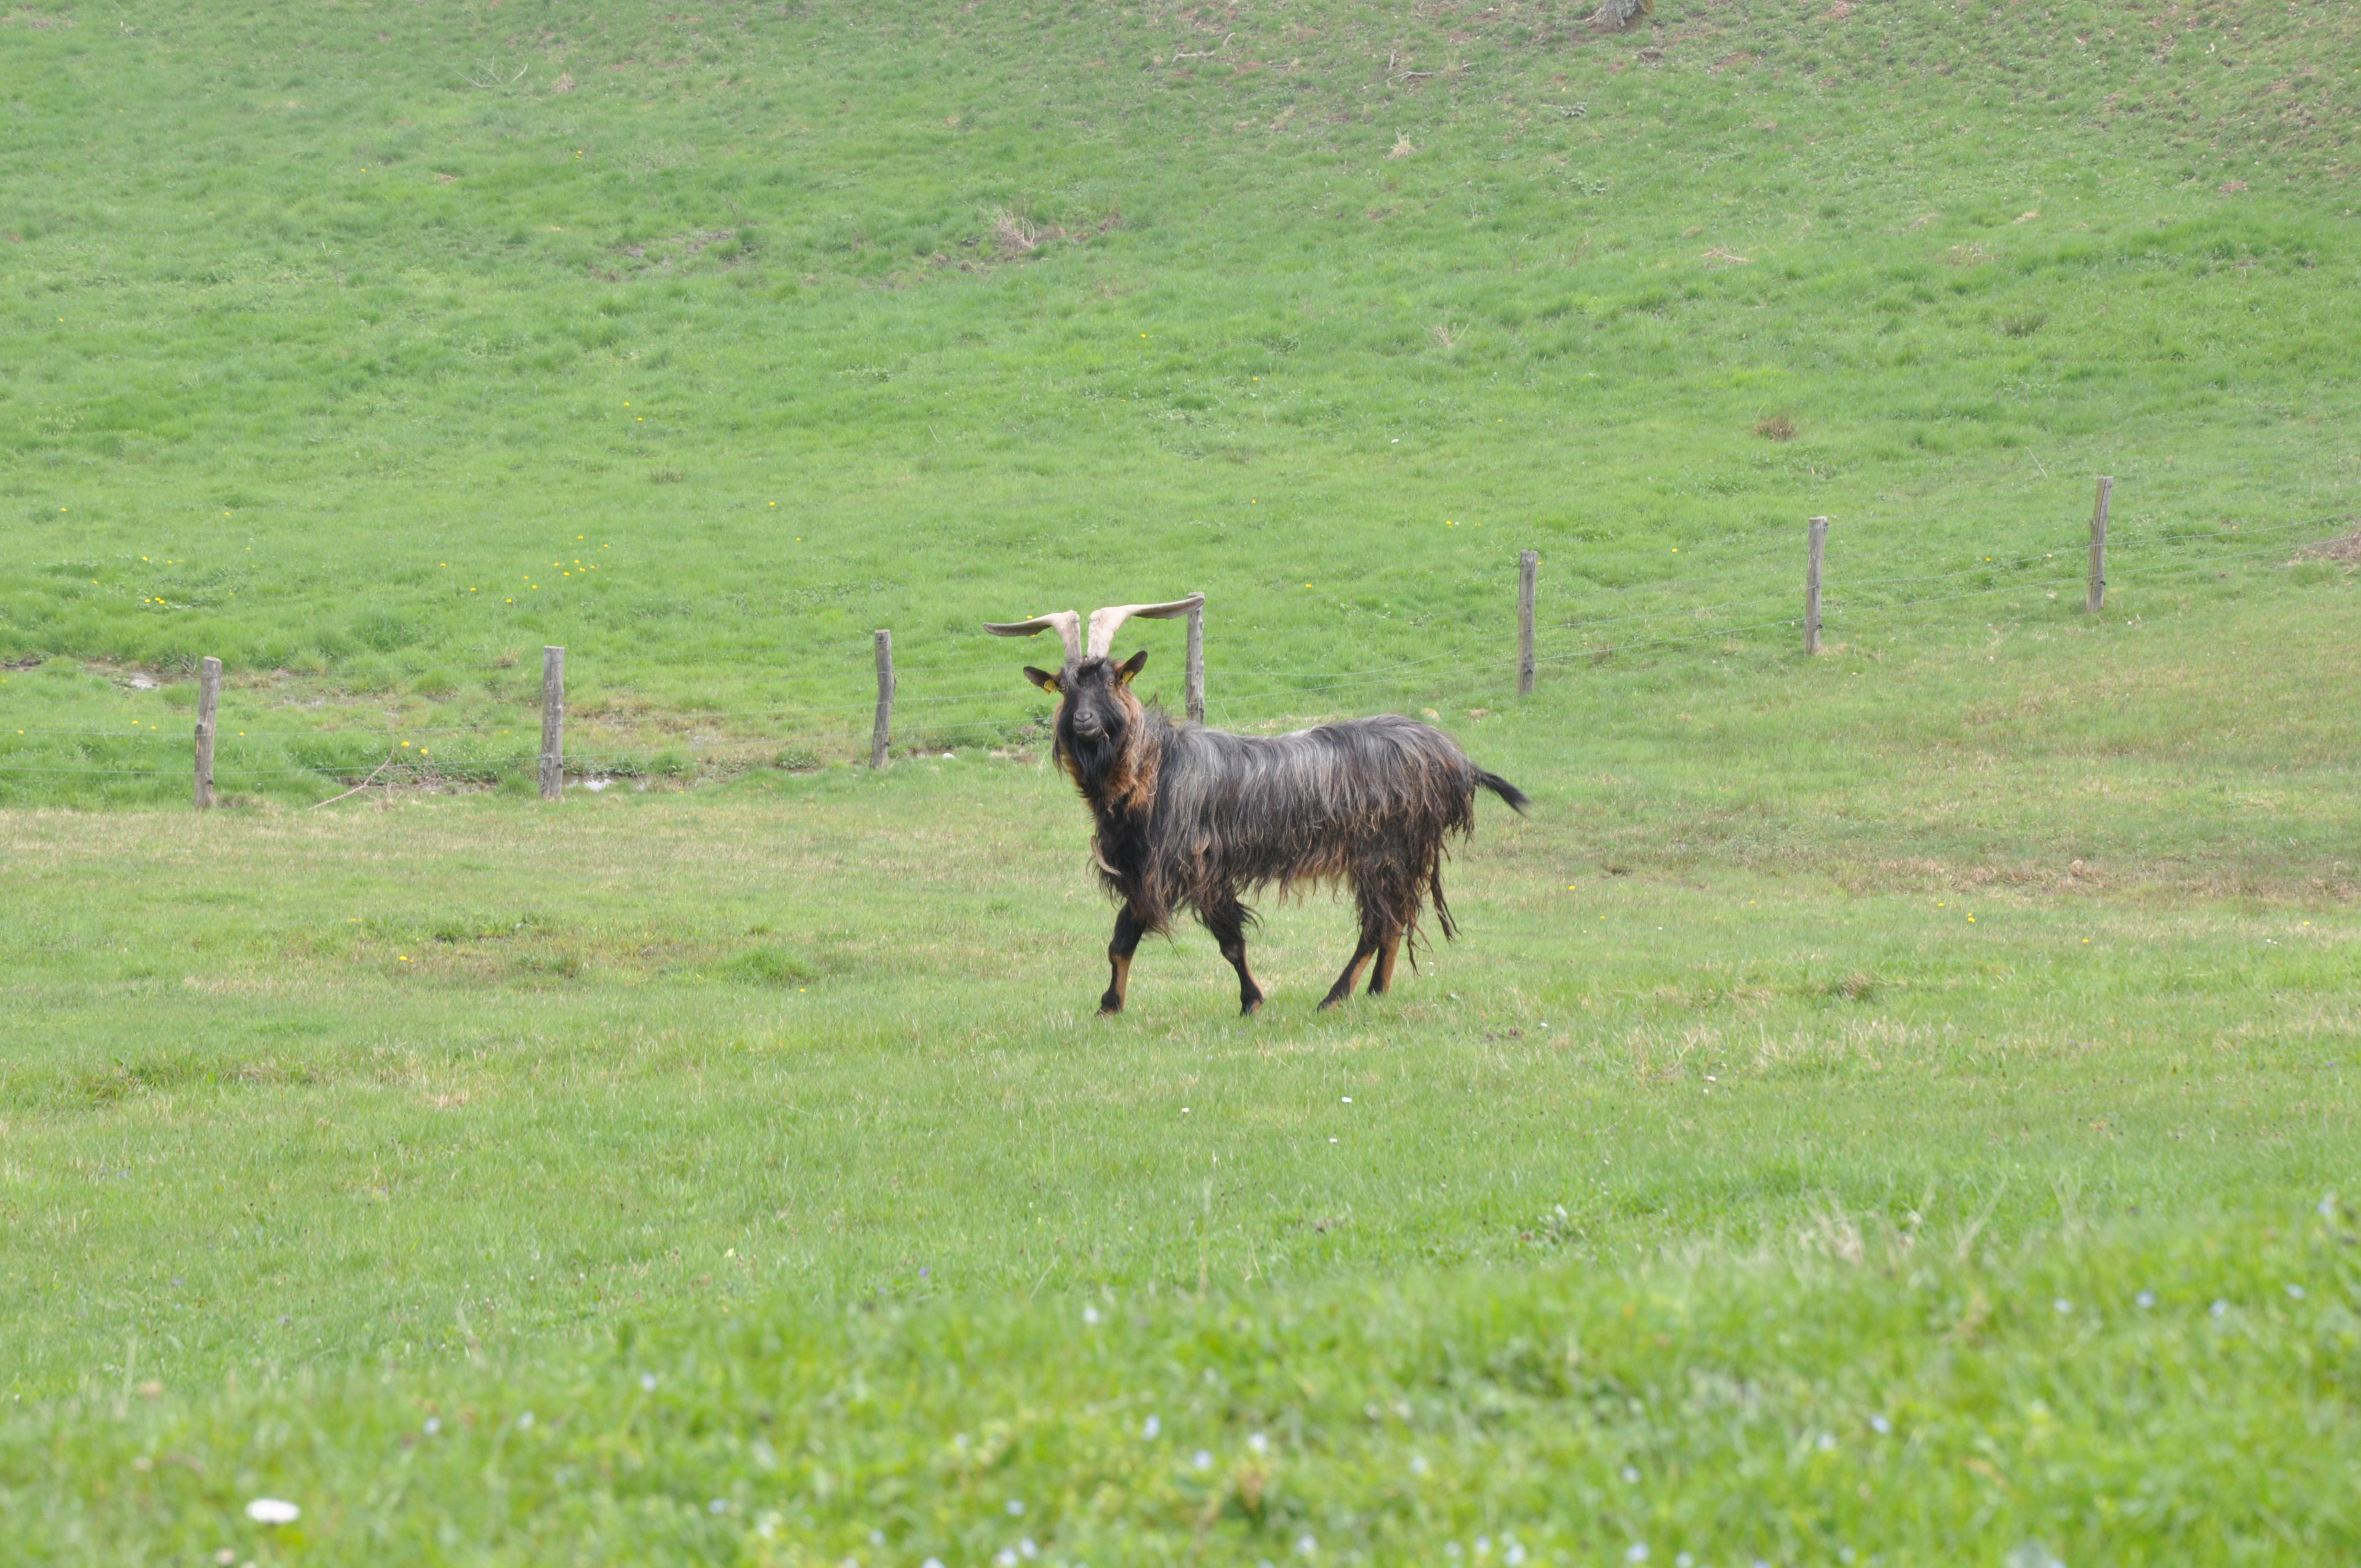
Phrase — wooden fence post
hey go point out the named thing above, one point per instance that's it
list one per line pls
(882, 736)
(553, 724)
(1194, 684)
(1812, 586)
(2097, 596)
(1528, 566)
(208, 703)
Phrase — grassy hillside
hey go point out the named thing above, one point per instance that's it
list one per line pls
(1890, 1107)
(372, 347)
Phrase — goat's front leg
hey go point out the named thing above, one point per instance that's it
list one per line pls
(1227, 921)
(1125, 942)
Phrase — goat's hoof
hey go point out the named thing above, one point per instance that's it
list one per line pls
(1328, 1001)
(1110, 1009)
(1248, 1009)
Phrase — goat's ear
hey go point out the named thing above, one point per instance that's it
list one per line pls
(1131, 667)
(1045, 680)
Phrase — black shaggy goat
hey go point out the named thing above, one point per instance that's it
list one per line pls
(1191, 818)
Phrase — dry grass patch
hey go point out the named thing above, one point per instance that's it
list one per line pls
(2345, 550)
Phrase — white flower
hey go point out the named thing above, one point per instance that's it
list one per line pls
(1090, 1314)
(1515, 1556)
(433, 1425)
(2296, 1292)
(1636, 1552)
(1015, 1506)
(648, 1381)
(1149, 1428)
(2221, 1308)
(1004, 1558)
(1879, 1425)
(2145, 1299)
(1260, 1443)
(1305, 1544)
(1203, 1460)
(273, 1510)
(2063, 1305)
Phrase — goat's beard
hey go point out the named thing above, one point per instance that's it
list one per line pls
(1092, 758)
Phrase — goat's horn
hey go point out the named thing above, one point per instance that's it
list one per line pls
(1065, 622)
(1106, 622)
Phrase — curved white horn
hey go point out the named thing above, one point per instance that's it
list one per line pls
(1106, 622)
(1065, 622)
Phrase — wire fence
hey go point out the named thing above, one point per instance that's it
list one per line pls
(969, 702)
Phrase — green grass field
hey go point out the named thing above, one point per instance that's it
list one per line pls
(370, 348)
(1889, 1107)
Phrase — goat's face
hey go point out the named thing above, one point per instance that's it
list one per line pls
(1098, 713)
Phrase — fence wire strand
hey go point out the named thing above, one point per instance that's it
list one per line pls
(2145, 570)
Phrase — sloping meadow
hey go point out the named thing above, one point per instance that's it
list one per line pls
(1891, 1106)
(704, 344)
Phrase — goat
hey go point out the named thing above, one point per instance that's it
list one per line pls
(1191, 818)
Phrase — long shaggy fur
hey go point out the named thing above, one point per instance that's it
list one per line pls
(1191, 819)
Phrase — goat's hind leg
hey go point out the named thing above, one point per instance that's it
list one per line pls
(1125, 942)
(1226, 919)
(1371, 930)
(1386, 918)
(1389, 941)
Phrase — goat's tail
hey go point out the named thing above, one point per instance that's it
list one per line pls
(1518, 799)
